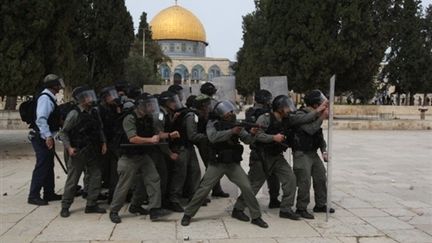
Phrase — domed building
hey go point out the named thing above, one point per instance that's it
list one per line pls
(182, 37)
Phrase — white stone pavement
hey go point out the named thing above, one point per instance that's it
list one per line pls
(382, 193)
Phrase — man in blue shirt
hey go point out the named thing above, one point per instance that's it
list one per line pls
(46, 124)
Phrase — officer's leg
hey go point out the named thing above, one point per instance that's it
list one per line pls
(273, 185)
(256, 177)
(319, 181)
(287, 178)
(49, 176)
(178, 177)
(76, 167)
(211, 177)
(127, 167)
(162, 169)
(302, 170)
(151, 181)
(237, 175)
(113, 175)
(94, 179)
(39, 172)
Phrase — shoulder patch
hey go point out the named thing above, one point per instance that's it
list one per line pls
(196, 119)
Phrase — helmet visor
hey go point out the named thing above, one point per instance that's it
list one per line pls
(86, 96)
(224, 107)
(149, 107)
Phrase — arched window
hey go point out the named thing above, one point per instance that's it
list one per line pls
(198, 73)
(183, 71)
(165, 71)
(214, 71)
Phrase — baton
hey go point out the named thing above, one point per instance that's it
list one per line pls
(60, 162)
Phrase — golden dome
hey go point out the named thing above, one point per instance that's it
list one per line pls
(177, 23)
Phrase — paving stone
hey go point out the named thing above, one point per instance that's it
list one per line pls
(388, 223)
(368, 212)
(410, 235)
(399, 212)
(203, 229)
(380, 239)
(309, 240)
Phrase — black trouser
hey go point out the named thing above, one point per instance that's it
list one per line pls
(43, 173)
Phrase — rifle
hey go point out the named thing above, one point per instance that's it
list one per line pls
(244, 124)
(129, 145)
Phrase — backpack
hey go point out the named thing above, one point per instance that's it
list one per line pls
(27, 109)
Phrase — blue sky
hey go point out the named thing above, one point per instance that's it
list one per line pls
(222, 20)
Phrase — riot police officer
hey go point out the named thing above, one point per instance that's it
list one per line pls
(139, 130)
(224, 137)
(186, 166)
(263, 99)
(270, 160)
(308, 138)
(83, 138)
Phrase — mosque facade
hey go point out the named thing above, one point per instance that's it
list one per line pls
(182, 37)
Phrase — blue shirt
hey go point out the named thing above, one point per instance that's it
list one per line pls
(44, 109)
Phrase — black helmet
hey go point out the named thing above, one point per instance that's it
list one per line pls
(52, 80)
(314, 97)
(175, 88)
(122, 86)
(208, 89)
(282, 101)
(108, 91)
(191, 101)
(81, 93)
(263, 96)
(224, 107)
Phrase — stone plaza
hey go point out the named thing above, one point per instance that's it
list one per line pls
(382, 192)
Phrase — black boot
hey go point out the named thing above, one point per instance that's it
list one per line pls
(115, 218)
(304, 214)
(220, 193)
(134, 209)
(65, 212)
(260, 222)
(322, 209)
(289, 214)
(186, 220)
(94, 209)
(37, 201)
(274, 203)
(240, 215)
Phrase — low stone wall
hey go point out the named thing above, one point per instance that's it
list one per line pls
(11, 120)
(360, 110)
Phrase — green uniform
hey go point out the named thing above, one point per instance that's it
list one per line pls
(270, 163)
(307, 163)
(228, 153)
(136, 162)
(82, 131)
(186, 173)
(269, 159)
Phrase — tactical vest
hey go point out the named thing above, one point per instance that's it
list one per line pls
(227, 152)
(202, 123)
(144, 128)
(180, 125)
(253, 113)
(302, 141)
(109, 118)
(86, 130)
(275, 127)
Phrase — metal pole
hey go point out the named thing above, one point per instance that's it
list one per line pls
(330, 146)
(143, 42)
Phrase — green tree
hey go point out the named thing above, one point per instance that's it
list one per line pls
(408, 67)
